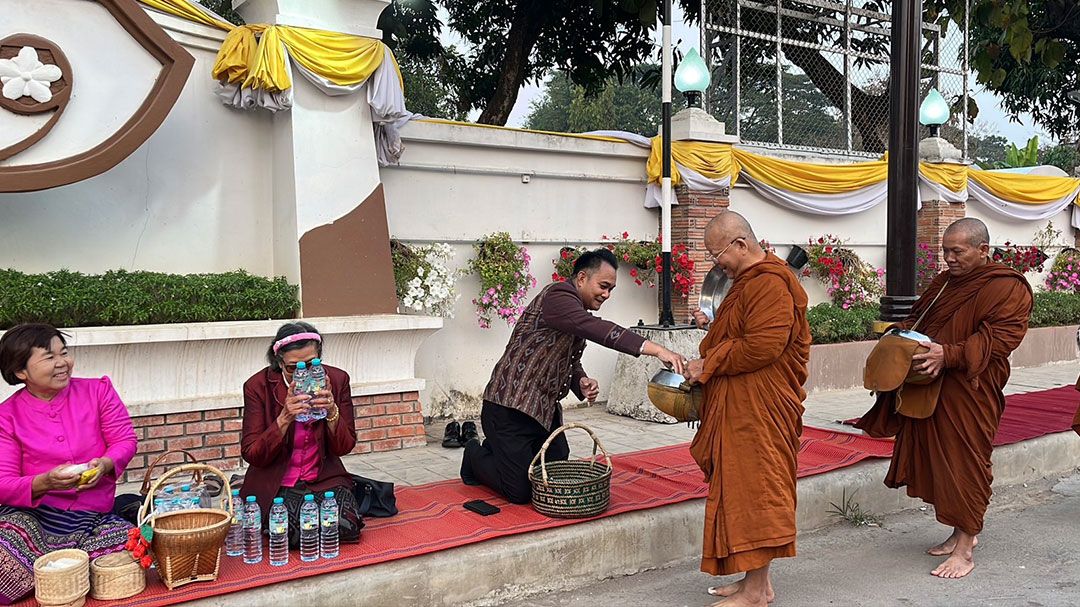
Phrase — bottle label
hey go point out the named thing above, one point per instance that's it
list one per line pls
(279, 528)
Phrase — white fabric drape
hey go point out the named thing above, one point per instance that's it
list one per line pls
(1024, 212)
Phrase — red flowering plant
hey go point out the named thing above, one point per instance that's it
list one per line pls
(138, 545)
(1023, 259)
(849, 281)
(643, 257)
(564, 265)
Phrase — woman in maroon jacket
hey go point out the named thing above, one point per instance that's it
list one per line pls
(288, 458)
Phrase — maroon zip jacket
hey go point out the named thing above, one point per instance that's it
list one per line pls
(268, 451)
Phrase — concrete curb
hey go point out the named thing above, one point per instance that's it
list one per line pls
(490, 572)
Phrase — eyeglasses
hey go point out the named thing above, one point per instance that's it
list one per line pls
(717, 256)
(291, 367)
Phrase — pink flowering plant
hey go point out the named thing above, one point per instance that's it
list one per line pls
(849, 281)
(503, 269)
(926, 266)
(1064, 274)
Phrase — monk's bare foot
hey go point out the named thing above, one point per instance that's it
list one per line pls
(734, 587)
(956, 566)
(946, 548)
(741, 599)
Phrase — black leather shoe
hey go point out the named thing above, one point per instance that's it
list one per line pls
(452, 436)
(468, 433)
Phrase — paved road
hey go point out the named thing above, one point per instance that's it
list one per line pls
(1028, 556)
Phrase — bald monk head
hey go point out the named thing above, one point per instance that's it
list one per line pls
(732, 244)
(965, 245)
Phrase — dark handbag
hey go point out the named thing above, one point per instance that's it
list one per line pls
(375, 498)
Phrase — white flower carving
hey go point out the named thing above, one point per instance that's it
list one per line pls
(23, 75)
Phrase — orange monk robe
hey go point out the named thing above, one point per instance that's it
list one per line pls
(755, 354)
(980, 318)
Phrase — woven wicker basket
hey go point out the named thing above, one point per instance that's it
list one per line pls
(63, 587)
(116, 576)
(570, 489)
(187, 544)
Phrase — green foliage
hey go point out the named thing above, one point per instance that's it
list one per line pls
(511, 42)
(119, 297)
(1065, 157)
(852, 512)
(625, 106)
(830, 324)
(503, 269)
(430, 86)
(1026, 51)
(1028, 156)
(1055, 309)
(223, 8)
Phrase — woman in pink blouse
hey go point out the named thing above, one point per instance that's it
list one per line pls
(53, 422)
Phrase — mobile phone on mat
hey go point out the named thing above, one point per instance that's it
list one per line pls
(482, 508)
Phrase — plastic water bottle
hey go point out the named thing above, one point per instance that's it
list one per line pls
(279, 533)
(171, 499)
(159, 506)
(234, 542)
(302, 385)
(328, 517)
(318, 382)
(252, 531)
(189, 500)
(309, 529)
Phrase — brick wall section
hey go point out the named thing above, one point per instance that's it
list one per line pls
(933, 218)
(688, 220)
(384, 422)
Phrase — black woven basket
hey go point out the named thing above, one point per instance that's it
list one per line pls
(571, 489)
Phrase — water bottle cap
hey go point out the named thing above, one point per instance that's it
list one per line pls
(250, 498)
(279, 500)
(158, 500)
(236, 492)
(168, 489)
(309, 498)
(301, 365)
(328, 495)
(316, 361)
(185, 487)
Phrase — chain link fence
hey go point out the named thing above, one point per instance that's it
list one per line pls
(814, 74)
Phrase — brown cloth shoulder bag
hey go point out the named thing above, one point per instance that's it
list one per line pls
(890, 368)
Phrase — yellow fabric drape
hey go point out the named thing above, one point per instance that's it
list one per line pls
(711, 160)
(1025, 189)
(810, 178)
(341, 59)
(952, 176)
(185, 10)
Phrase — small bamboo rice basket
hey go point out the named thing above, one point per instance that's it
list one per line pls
(116, 576)
(65, 587)
(187, 544)
(571, 488)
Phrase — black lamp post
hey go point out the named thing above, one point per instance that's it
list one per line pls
(903, 160)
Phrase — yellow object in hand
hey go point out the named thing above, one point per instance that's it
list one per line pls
(88, 476)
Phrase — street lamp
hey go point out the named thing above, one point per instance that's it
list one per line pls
(934, 111)
(692, 78)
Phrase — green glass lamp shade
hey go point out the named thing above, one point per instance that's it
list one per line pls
(934, 110)
(692, 73)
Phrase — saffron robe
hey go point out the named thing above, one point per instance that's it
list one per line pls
(756, 355)
(980, 318)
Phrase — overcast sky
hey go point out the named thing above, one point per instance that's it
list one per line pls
(686, 36)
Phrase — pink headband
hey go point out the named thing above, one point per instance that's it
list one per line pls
(284, 341)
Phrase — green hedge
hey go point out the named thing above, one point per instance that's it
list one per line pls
(1054, 309)
(829, 324)
(73, 299)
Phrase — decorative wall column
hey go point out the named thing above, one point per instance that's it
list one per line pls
(936, 214)
(695, 209)
(330, 229)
